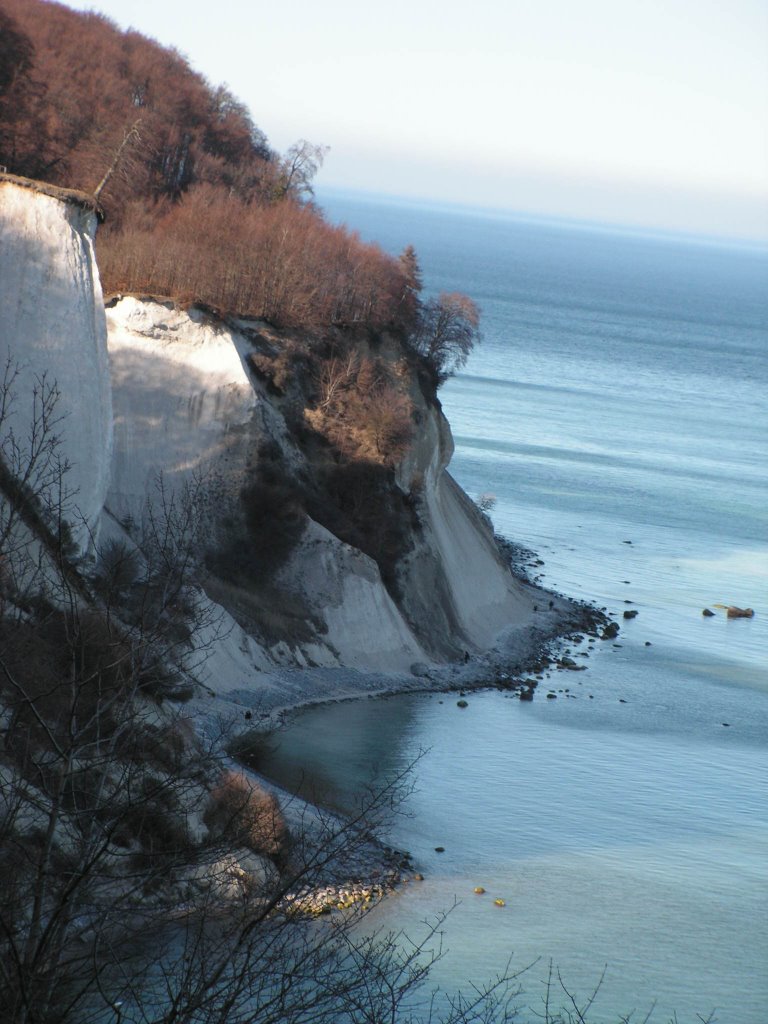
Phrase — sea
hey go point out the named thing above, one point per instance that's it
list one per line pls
(617, 411)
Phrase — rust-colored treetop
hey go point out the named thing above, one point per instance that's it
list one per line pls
(198, 207)
(72, 85)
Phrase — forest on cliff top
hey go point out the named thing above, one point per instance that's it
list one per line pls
(143, 881)
(198, 206)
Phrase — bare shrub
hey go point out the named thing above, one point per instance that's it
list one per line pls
(247, 815)
(486, 503)
(363, 408)
(157, 823)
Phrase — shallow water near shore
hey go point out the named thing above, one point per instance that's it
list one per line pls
(609, 847)
(617, 411)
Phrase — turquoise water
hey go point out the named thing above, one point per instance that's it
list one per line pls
(619, 395)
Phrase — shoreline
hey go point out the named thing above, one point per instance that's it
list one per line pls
(521, 659)
(524, 658)
(519, 668)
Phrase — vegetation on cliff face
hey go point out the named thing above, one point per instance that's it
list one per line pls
(144, 884)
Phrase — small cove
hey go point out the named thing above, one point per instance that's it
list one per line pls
(641, 851)
(616, 411)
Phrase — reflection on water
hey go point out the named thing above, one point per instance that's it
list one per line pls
(333, 753)
(737, 564)
(641, 851)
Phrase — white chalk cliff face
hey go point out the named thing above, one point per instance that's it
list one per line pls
(454, 580)
(185, 403)
(186, 407)
(52, 324)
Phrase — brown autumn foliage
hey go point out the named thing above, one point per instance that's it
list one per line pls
(77, 111)
(363, 409)
(247, 815)
(199, 208)
(280, 262)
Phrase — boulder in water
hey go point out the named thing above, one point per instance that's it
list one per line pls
(739, 613)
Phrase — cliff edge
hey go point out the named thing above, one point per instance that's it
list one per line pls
(54, 333)
(312, 555)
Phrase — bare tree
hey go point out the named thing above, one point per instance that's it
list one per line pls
(335, 376)
(130, 137)
(145, 881)
(298, 168)
(94, 790)
(448, 330)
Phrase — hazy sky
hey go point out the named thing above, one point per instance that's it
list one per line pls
(638, 111)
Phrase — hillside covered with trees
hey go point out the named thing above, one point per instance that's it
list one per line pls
(197, 205)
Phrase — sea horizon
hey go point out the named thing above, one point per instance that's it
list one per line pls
(494, 212)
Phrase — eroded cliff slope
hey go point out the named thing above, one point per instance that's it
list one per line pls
(210, 410)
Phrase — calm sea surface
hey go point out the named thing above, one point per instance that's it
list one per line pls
(620, 395)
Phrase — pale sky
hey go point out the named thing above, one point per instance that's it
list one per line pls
(650, 112)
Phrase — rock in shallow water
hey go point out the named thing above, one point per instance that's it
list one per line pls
(739, 613)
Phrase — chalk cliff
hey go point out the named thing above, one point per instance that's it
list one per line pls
(152, 393)
(54, 332)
